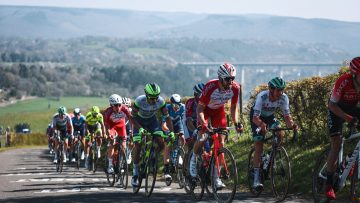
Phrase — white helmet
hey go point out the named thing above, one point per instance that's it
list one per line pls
(126, 101)
(175, 99)
(226, 70)
(115, 99)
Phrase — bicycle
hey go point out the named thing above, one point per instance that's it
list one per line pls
(77, 147)
(148, 163)
(222, 164)
(347, 166)
(60, 152)
(121, 168)
(274, 162)
(93, 153)
(176, 163)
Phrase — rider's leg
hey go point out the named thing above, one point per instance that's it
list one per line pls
(56, 149)
(256, 162)
(331, 164)
(98, 142)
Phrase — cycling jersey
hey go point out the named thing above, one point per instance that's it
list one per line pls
(79, 124)
(116, 120)
(344, 92)
(147, 110)
(93, 121)
(191, 106)
(264, 107)
(177, 117)
(214, 98)
(64, 123)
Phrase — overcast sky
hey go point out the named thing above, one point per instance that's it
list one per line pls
(345, 10)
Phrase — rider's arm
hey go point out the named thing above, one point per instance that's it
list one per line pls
(200, 113)
(168, 120)
(289, 121)
(339, 112)
(234, 113)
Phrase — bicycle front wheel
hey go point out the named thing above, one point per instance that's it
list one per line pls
(355, 182)
(123, 172)
(151, 171)
(78, 155)
(224, 170)
(197, 184)
(179, 167)
(280, 172)
(319, 177)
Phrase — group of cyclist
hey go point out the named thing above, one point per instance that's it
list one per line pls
(201, 114)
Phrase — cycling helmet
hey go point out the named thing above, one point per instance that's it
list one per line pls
(115, 99)
(77, 111)
(226, 70)
(62, 110)
(152, 90)
(355, 66)
(175, 99)
(277, 83)
(95, 110)
(126, 101)
(198, 88)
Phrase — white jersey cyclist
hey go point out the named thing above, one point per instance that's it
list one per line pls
(265, 108)
(147, 110)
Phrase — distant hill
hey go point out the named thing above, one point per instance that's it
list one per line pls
(47, 22)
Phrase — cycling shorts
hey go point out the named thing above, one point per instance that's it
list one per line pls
(217, 117)
(269, 120)
(335, 123)
(178, 127)
(150, 124)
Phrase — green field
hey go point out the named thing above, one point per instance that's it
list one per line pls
(38, 112)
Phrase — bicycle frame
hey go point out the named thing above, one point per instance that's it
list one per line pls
(354, 157)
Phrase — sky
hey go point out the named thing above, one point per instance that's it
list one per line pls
(343, 10)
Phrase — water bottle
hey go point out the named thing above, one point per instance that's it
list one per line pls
(265, 160)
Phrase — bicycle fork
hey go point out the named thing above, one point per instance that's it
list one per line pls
(354, 157)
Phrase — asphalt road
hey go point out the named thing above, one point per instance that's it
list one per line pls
(28, 175)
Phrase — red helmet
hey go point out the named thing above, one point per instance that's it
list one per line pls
(226, 70)
(355, 66)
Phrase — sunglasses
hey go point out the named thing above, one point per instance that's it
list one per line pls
(94, 114)
(175, 105)
(117, 105)
(229, 79)
(152, 98)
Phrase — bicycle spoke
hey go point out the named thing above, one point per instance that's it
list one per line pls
(280, 172)
(319, 177)
(223, 169)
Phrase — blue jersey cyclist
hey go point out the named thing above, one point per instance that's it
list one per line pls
(143, 111)
(78, 122)
(176, 111)
(262, 116)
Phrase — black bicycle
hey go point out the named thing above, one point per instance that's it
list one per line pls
(275, 165)
(60, 152)
(177, 157)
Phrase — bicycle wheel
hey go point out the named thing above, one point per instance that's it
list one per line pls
(197, 184)
(186, 174)
(58, 161)
(355, 183)
(94, 159)
(109, 176)
(224, 170)
(123, 171)
(78, 155)
(151, 171)
(319, 177)
(61, 158)
(179, 167)
(141, 170)
(280, 172)
(250, 174)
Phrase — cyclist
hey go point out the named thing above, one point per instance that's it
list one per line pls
(191, 117)
(62, 123)
(211, 106)
(114, 117)
(143, 111)
(129, 129)
(262, 116)
(94, 125)
(50, 135)
(342, 107)
(79, 127)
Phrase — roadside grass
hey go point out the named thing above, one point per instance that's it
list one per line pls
(38, 112)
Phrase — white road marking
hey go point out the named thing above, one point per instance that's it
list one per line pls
(60, 180)
(41, 174)
(102, 189)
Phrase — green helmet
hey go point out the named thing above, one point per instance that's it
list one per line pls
(152, 90)
(62, 110)
(277, 83)
(95, 110)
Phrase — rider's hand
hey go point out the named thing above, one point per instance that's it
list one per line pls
(136, 138)
(141, 131)
(171, 136)
(295, 127)
(354, 122)
(239, 127)
(263, 128)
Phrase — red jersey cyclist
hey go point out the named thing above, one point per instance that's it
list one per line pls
(211, 107)
(342, 107)
(114, 118)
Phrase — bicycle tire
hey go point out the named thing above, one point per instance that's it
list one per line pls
(250, 174)
(197, 184)
(95, 159)
(228, 175)
(61, 161)
(110, 177)
(151, 171)
(280, 173)
(78, 155)
(58, 161)
(142, 166)
(355, 183)
(319, 177)
(186, 173)
(179, 167)
(123, 170)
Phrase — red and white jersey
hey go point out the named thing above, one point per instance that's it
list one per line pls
(344, 91)
(112, 118)
(214, 98)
